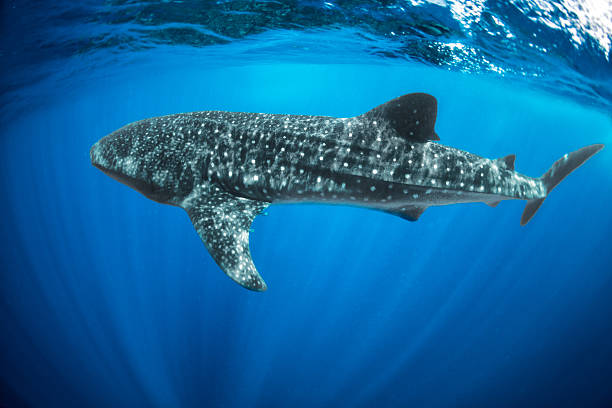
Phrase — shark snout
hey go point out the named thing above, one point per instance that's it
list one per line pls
(96, 155)
(108, 155)
(102, 154)
(93, 155)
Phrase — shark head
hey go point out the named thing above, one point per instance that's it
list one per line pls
(119, 155)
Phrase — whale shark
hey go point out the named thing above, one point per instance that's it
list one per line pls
(225, 168)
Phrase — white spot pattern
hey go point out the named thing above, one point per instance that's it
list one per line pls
(194, 159)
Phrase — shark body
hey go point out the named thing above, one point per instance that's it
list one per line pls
(224, 168)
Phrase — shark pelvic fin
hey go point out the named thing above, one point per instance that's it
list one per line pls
(223, 222)
(413, 116)
(408, 212)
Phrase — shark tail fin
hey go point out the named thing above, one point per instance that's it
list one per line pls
(557, 172)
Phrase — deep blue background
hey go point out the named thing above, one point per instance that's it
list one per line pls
(109, 299)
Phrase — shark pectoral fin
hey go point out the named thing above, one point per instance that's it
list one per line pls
(408, 212)
(413, 116)
(493, 203)
(223, 222)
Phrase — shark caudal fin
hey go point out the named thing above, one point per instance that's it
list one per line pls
(557, 172)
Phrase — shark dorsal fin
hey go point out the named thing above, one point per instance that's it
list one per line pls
(413, 116)
(223, 222)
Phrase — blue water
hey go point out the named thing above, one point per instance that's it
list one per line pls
(110, 299)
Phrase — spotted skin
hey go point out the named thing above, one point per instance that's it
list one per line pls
(224, 168)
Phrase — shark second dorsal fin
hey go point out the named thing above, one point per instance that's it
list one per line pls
(507, 161)
(413, 116)
(223, 222)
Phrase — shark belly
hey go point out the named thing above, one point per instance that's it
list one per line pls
(412, 174)
(307, 178)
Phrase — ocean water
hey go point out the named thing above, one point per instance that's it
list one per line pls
(110, 299)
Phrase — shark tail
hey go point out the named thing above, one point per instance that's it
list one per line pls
(557, 172)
